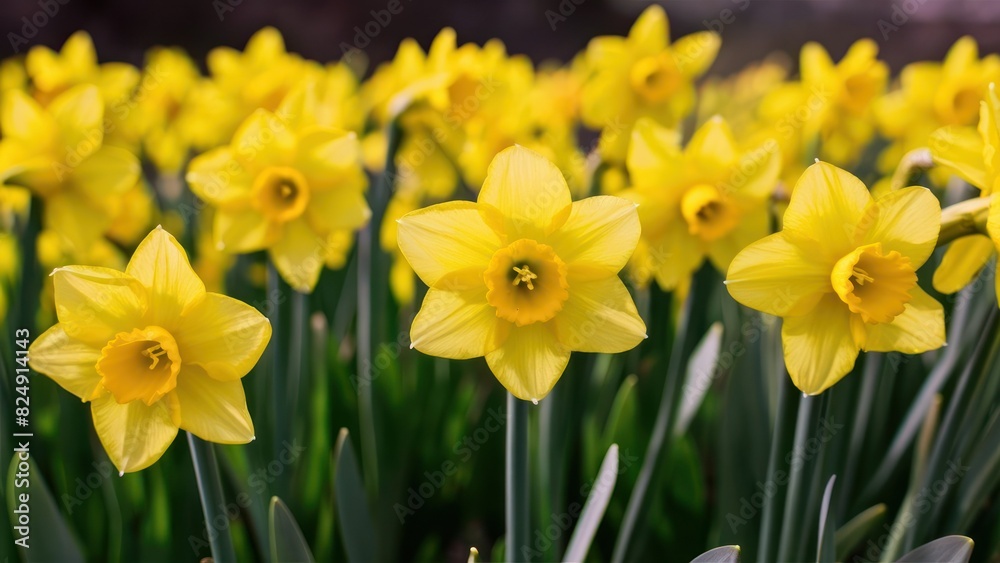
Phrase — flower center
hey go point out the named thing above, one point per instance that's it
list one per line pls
(709, 214)
(655, 77)
(875, 285)
(142, 364)
(280, 193)
(526, 282)
(965, 106)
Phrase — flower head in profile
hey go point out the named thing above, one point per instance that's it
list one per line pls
(288, 186)
(152, 352)
(708, 199)
(842, 274)
(524, 275)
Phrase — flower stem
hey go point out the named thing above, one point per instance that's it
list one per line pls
(213, 502)
(517, 484)
(917, 160)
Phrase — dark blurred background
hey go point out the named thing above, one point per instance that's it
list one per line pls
(124, 29)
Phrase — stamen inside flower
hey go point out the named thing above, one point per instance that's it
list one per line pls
(709, 214)
(280, 193)
(655, 77)
(142, 364)
(526, 282)
(874, 284)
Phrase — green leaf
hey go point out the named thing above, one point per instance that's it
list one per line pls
(825, 552)
(288, 545)
(48, 537)
(701, 371)
(356, 524)
(949, 549)
(857, 529)
(724, 554)
(593, 509)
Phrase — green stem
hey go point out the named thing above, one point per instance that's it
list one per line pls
(798, 477)
(279, 365)
(213, 501)
(517, 485)
(779, 445)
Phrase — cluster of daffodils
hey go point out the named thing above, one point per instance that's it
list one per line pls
(530, 244)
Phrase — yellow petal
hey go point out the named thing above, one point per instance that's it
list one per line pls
(161, 266)
(107, 173)
(696, 52)
(79, 115)
(445, 238)
(712, 147)
(218, 178)
(654, 156)
(527, 189)
(962, 261)
(298, 255)
(223, 335)
(918, 329)
(650, 33)
(993, 228)
(752, 227)
(530, 361)
(598, 236)
(263, 139)
(327, 155)
(906, 220)
(961, 150)
(401, 280)
(94, 304)
(778, 277)
(815, 64)
(134, 435)
(604, 98)
(819, 347)
(457, 324)
(213, 410)
(756, 175)
(243, 231)
(79, 221)
(599, 316)
(337, 209)
(67, 361)
(670, 257)
(23, 119)
(826, 205)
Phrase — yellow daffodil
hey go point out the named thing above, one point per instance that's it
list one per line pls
(165, 110)
(974, 155)
(707, 199)
(53, 73)
(523, 275)
(152, 352)
(933, 95)
(58, 153)
(642, 75)
(842, 274)
(844, 121)
(287, 186)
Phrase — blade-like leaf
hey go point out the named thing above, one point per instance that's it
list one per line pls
(593, 509)
(287, 542)
(825, 552)
(949, 549)
(356, 525)
(701, 371)
(856, 529)
(724, 554)
(37, 521)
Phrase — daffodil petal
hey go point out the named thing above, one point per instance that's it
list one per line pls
(298, 255)
(325, 155)
(67, 361)
(753, 226)
(672, 257)
(94, 304)
(654, 156)
(262, 140)
(337, 209)
(457, 324)
(961, 150)
(161, 266)
(79, 115)
(906, 220)
(819, 347)
(79, 221)
(918, 329)
(223, 335)
(696, 52)
(445, 238)
(713, 147)
(133, 434)
(650, 32)
(599, 235)
(213, 410)
(827, 205)
(23, 119)
(530, 361)
(218, 178)
(107, 173)
(243, 230)
(527, 189)
(962, 261)
(778, 277)
(599, 316)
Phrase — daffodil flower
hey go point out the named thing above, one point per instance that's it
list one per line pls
(152, 352)
(523, 275)
(842, 275)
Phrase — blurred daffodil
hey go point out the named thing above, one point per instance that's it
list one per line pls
(706, 199)
(523, 275)
(642, 75)
(58, 153)
(152, 352)
(287, 186)
(842, 274)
